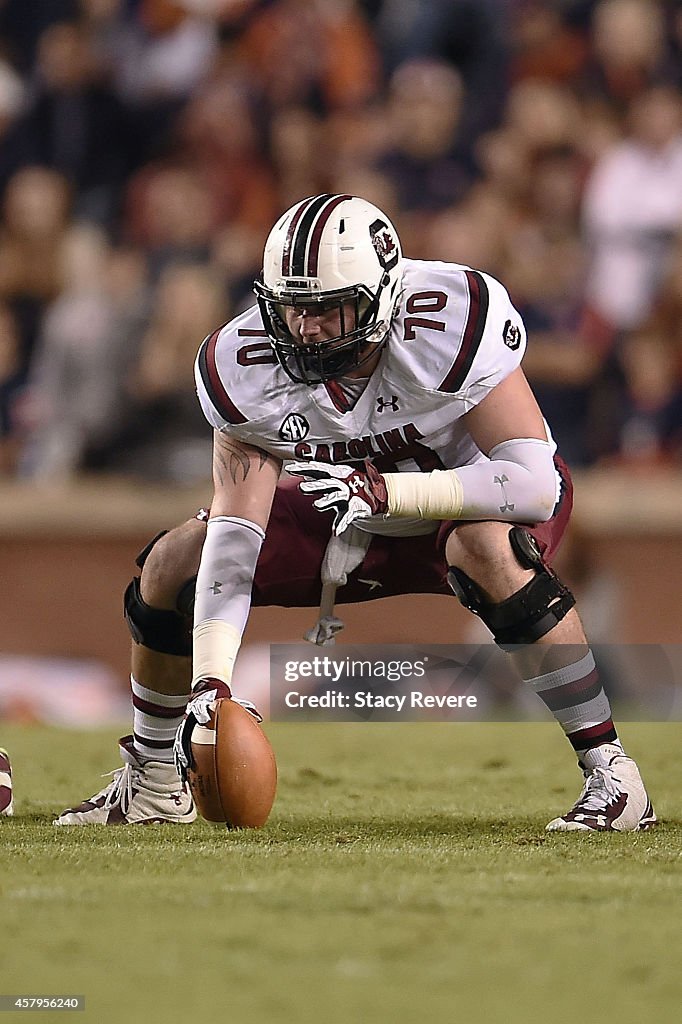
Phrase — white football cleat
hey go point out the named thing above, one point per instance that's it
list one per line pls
(613, 800)
(6, 804)
(142, 792)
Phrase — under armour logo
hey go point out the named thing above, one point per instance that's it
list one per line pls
(508, 505)
(387, 403)
(217, 587)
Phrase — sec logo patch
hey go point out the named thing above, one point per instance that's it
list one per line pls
(294, 428)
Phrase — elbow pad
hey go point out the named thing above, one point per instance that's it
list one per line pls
(532, 485)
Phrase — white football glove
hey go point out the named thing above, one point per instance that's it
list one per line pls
(352, 493)
(198, 712)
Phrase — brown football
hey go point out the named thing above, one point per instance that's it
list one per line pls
(235, 774)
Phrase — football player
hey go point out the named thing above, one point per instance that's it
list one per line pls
(392, 392)
(6, 797)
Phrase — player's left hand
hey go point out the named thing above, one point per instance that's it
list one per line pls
(352, 493)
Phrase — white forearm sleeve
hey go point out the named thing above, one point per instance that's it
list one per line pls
(516, 483)
(223, 595)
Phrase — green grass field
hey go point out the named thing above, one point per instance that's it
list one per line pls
(405, 876)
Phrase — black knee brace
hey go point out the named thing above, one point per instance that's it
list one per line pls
(528, 614)
(160, 629)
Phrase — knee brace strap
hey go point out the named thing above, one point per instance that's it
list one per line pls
(159, 629)
(528, 614)
(186, 595)
(144, 554)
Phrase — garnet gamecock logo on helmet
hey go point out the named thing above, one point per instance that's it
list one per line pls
(511, 335)
(294, 428)
(384, 244)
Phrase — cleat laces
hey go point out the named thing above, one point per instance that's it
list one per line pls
(599, 789)
(120, 792)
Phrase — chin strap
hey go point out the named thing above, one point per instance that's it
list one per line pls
(344, 554)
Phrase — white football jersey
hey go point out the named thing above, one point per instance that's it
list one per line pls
(455, 337)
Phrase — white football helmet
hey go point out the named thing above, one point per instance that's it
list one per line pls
(325, 252)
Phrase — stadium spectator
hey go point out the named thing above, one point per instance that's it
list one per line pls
(170, 216)
(235, 258)
(474, 232)
(630, 51)
(75, 124)
(421, 161)
(633, 210)
(534, 166)
(221, 145)
(161, 433)
(9, 387)
(162, 54)
(89, 338)
(650, 359)
(546, 269)
(12, 99)
(652, 412)
(35, 219)
(546, 43)
(339, 70)
(665, 319)
(22, 23)
(472, 36)
(295, 150)
(542, 115)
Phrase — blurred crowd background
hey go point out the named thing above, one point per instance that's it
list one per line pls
(147, 146)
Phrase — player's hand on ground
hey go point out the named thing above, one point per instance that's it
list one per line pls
(350, 492)
(197, 712)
